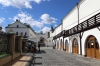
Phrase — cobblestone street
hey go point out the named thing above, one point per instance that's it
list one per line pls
(54, 57)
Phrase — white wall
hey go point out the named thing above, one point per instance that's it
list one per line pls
(19, 30)
(87, 8)
(32, 36)
(95, 32)
(70, 19)
(58, 29)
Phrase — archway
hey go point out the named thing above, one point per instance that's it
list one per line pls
(57, 44)
(61, 45)
(66, 45)
(75, 46)
(92, 47)
(42, 41)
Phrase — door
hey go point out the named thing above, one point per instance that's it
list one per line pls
(75, 46)
(92, 47)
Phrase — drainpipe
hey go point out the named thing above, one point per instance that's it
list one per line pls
(80, 32)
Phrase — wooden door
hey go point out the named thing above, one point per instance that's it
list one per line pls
(75, 46)
(92, 48)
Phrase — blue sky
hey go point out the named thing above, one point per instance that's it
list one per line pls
(40, 14)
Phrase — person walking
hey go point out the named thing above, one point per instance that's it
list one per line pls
(39, 46)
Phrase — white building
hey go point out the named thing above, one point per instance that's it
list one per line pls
(22, 29)
(80, 30)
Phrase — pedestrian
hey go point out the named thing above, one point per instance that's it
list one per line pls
(39, 46)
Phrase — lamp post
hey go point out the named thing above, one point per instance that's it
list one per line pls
(80, 32)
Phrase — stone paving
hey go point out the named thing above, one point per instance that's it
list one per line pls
(54, 57)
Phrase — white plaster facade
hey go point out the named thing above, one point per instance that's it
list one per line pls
(19, 27)
(81, 12)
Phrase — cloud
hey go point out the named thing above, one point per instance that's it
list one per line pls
(47, 19)
(19, 3)
(27, 18)
(2, 20)
(3, 29)
(55, 25)
(46, 29)
(37, 1)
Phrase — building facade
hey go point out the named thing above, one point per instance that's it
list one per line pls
(79, 31)
(22, 29)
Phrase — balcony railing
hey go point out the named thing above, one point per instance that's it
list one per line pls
(88, 24)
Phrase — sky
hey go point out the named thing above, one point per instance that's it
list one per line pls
(39, 14)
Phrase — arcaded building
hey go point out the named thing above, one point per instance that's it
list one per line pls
(79, 31)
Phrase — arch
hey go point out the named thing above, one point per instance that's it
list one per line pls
(57, 44)
(61, 44)
(75, 48)
(66, 45)
(92, 47)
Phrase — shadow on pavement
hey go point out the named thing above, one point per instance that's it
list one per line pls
(41, 51)
(37, 61)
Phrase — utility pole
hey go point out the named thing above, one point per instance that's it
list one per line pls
(80, 32)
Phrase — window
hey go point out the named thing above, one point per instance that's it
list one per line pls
(16, 33)
(97, 45)
(17, 26)
(25, 33)
(22, 33)
(88, 45)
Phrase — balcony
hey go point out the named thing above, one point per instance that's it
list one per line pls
(86, 25)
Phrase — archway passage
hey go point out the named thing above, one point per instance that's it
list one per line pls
(57, 44)
(75, 46)
(92, 47)
(61, 44)
(66, 45)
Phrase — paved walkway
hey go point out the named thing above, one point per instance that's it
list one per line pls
(54, 57)
(50, 57)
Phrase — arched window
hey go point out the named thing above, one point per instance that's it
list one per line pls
(75, 42)
(16, 33)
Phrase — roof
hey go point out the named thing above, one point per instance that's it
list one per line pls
(27, 25)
